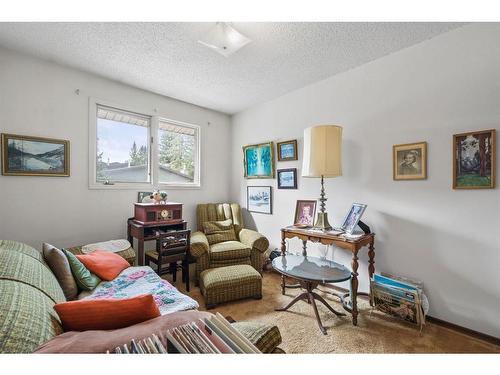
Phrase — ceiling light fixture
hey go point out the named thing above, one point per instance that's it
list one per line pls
(224, 39)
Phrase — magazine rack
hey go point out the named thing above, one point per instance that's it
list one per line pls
(398, 297)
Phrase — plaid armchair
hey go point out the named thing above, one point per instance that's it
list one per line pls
(247, 249)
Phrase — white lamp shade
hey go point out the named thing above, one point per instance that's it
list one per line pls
(322, 151)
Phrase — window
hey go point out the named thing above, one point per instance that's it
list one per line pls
(177, 153)
(122, 146)
(130, 150)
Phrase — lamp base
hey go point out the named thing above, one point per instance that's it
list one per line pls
(322, 222)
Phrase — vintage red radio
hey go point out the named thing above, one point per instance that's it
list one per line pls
(152, 213)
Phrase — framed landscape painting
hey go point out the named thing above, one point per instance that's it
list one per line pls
(409, 161)
(259, 199)
(34, 156)
(287, 178)
(474, 160)
(259, 160)
(287, 150)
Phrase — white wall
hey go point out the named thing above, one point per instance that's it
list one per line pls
(38, 98)
(424, 229)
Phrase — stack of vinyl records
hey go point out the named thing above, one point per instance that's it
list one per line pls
(149, 345)
(212, 335)
(400, 297)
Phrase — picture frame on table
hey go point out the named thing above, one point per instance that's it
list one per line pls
(35, 156)
(145, 197)
(287, 178)
(287, 150)
(409, 161)
(305, 212)
(474, 160)
(352, 218)
(260, 199)
(258, 160)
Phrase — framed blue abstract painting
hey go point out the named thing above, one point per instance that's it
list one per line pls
(259, 160)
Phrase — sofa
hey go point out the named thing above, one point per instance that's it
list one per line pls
(248, 247)
(29, 291)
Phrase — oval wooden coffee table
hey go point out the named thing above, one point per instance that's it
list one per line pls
(310, 272)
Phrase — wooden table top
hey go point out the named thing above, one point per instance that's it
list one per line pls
(332, 235)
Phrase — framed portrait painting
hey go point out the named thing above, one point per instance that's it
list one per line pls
(305, 210)
(259, 199)
(287, 178)
(34, 156)
(474, 160)
(409, 161)
(287, 150)
(259, 160)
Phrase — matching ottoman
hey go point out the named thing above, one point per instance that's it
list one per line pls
(230, 283)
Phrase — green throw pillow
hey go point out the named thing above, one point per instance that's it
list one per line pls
(219, 231)
(85, 279)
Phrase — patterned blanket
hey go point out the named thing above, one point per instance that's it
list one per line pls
(134, 281)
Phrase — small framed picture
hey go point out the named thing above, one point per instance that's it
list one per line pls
(145, 197)
(474, 160)
(287, 178)
(287, 150)
(410, 161)
(259, 160)
(34, 156)
(259, 199)
(352, 217)
(305, 210)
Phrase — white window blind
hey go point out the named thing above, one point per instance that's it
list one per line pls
(113, 114)
(179, 129)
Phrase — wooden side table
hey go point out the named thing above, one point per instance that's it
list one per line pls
(148, 232)
(354, 245)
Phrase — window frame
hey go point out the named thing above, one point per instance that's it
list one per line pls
(154, 165)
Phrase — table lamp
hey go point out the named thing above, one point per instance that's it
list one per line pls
(322, 158)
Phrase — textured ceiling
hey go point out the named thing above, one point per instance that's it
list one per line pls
(165, 58)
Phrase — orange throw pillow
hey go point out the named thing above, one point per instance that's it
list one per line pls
(102, 314)
(104, 264)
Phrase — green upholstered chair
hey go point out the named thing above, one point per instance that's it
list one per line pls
(247, 249)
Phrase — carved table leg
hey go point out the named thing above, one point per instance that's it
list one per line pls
(301, 296)
(315, 308)
(283, 252)
(354, 287)
(304, 248)
(371, 264)
(322, 300)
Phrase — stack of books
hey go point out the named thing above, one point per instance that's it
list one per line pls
(399, 297)
(212, 335)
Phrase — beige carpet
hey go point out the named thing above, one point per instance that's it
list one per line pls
(375, 333)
